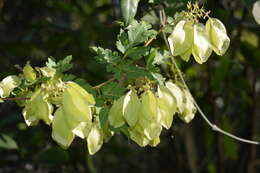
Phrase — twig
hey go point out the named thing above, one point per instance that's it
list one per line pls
(213, 126)
(14, 99)
(104, 83)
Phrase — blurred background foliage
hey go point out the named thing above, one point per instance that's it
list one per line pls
(227, 88)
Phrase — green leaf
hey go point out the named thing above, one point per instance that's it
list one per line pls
(62, 65)
(7, 142)
(112, 91)
(103, 116)
(158, 77)
(256, 11)
(129, 9)
(139, 32)
(106, 56)
(123, 42)
(51, 63)
(136, 53)
(65, 64)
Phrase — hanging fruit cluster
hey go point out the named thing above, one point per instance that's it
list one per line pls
(139, 110)
(190, 37)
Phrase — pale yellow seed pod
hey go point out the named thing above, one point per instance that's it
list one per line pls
(8, 84)
(201, 48)
(61, 133)
(95, 139)
(149, 110)
(131, 108)
(190, 110)
(178, 94)
(38, 108)
(115, 116)
(218, 36)
(181, 38)
(29, 73)
(137, 135)
(77, 105)
(154, 142)
(152, 130)
(166, 106)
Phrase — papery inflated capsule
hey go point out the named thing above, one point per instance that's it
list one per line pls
(8, 84)
(152, 130)
(29, 73)
(61, 133)
(154, 142)
(178, 94)
(189, 108)
(181, 38)
(149, 106)
(77, 108)
(218, 36)
(136, 134)
(201, 47)
(115, 116)
(38, 108)
(95, 139)
(166, 106)
(131, 108)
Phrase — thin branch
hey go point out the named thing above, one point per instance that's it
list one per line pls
(104, 83)
(15, 99)
(213, 126)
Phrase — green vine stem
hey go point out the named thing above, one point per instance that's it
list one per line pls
(212, 125)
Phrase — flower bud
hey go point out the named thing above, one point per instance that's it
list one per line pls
(181, 38)
(61, 133)
(201, 48)
(131, 108)
(8, 84)
(115, 116)
(29, 73)
(218, 36)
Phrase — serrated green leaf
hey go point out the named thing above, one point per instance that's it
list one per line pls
(123, 43)
(112, 90)
(136, 53)
(106, 55)
(64, 65)
(139, 32)
(129, 9)
(51, 63)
